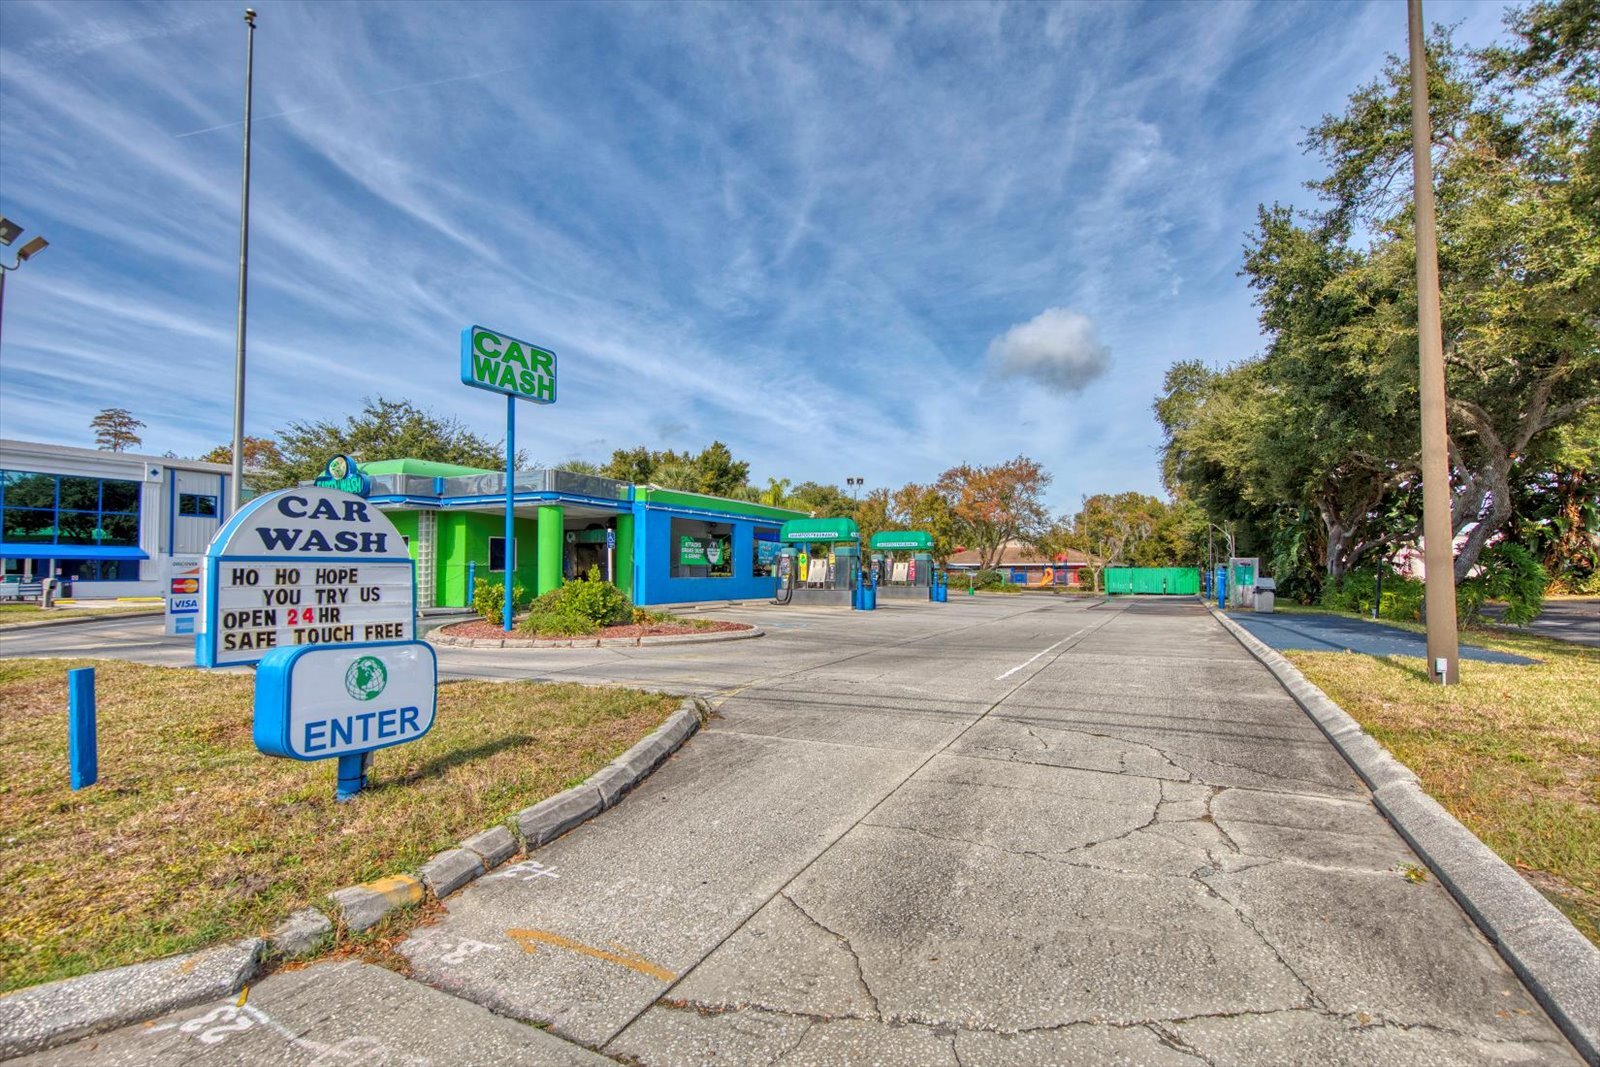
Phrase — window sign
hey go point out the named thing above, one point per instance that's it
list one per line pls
(304, 566)
(691, 552)
(184, 575)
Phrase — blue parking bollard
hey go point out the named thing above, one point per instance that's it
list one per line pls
(83, 757)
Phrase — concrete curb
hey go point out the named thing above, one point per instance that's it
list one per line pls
(592, 642)
(1557, 963)
(43, 1016)
(360, 907)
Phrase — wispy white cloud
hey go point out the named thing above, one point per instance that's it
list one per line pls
(796, 227)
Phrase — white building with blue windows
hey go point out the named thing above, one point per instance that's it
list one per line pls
(104, 523)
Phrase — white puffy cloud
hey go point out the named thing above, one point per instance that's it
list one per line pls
(1058, 348)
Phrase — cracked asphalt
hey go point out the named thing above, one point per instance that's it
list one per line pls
(1002, 830)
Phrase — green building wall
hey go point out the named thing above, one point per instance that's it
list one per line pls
(464, 538)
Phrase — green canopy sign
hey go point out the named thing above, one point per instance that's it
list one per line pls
(506, 365)
(808, 530)
(902, 541)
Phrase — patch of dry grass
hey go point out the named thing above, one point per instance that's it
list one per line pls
(1513, 752)
(11, 614)
(192, 836)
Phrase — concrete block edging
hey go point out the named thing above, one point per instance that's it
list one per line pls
(1557, 963)
(437, 638)
(45, 1016)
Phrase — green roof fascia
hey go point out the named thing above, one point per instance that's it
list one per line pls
(902, 541)
(422, 468)
(704, 501)
(820, 530)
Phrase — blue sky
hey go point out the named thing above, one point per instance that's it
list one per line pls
(869, 240)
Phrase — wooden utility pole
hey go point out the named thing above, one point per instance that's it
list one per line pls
(1438, 534)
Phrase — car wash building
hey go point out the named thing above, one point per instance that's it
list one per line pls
(102, 524)
(660, 546)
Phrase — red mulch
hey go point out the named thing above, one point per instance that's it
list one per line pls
(490, 631)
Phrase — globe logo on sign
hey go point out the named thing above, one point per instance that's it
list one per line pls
(366, 678)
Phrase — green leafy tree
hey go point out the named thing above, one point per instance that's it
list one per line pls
(383, 429)
(821, 501)
(713, 470)
(923, 507)
(259, 454)
(116, 430)
(1325, 421)
(997, 504)
(1515, 158)
(872, 515)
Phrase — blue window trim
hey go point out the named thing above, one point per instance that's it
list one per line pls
(216, 507)
(42, 550)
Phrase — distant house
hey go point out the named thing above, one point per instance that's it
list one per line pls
(1025, 565)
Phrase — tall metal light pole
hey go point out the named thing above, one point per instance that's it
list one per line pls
(236, 494)
(1438, 535)
(10, 231)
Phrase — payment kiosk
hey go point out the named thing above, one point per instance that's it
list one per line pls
(904, 562)
(820, 562)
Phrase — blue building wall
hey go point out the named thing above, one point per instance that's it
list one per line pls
(653, 560)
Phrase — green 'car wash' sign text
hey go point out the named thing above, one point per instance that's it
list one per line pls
(503, 364)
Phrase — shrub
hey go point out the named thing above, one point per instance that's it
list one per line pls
(1509, 572)
(988, 580)
(1356, 591)
(489, 599)
(577, 608)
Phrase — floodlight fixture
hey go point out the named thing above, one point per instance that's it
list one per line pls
(31, 249)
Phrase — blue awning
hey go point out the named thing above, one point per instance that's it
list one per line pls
(15, 551)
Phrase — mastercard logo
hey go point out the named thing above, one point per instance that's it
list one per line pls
(185, 585)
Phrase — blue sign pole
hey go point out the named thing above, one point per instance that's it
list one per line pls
(352, 775)
(511, 462)
(83, 758)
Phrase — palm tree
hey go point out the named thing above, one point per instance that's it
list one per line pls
(776, 492)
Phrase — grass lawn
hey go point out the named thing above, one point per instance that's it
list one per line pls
(192, 837)
(23, 612)
(1513, 752)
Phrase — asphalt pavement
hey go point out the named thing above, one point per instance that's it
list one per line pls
(1567, 619)
(997, 830)
(1337, 633)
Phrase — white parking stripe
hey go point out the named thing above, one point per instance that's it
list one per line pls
(1036, 655)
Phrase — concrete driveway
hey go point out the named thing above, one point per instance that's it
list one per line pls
(992, 831)
(1568, 619)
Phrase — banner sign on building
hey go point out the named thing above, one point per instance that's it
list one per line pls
(184, 575)
(306, 566)
(691, 552)
(342, 474)
(506, 365)
(319, 702)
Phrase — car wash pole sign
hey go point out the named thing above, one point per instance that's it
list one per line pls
(306, 566)
(506, 365)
